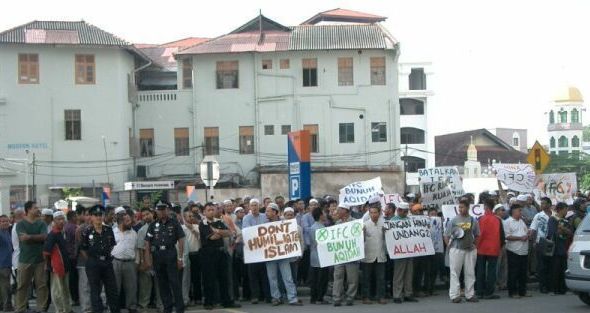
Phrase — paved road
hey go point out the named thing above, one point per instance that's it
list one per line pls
(439, 304)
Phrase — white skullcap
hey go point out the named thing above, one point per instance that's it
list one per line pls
(120, 210)
(522, 198)
(226, 202)
(313, 201)
(238, 209)
(58, 214)
(273, 206)
(403, 206)
(288, 209)
(47, 212)
(411, 195)
(498, 207)
(254, 200)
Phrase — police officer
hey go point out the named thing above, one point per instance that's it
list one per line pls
(97, 242)
(160, 251)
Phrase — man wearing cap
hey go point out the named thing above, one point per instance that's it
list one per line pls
(375, 257)
(517, 249)
(146, 273)
(124, 258)
(32, 233)
(318, 276)
(403, 269)
(97, 243)
(83, 287)
(502, 280)
(539, 232)
(59, 265)
(491, 240)
(306, 223)
(47, 215)
(350, 271)
(283, 265)
(160, 252)
(193, 242)
(257, 271)
(240, 269)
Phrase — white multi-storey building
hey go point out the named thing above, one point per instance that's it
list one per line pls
(565, 128)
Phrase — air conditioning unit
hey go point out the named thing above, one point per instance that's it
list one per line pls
(142, 171)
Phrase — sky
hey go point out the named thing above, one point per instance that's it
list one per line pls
(496, 63)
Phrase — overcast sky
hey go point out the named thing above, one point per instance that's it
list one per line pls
(497, 63)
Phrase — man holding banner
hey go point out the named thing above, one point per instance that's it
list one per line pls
(375, 258)
(403, 268)
(349, 270)
(259, 289)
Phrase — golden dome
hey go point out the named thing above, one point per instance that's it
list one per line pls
(569, 94)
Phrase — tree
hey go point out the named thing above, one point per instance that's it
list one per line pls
(71, 192)
(585, 182)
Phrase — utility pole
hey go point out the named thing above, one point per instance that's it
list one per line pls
(34, 187)
(106, 160)
(405, 170)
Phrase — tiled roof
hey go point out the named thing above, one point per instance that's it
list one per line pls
(59, 32)
(163, 55)
(345, 16)
(184, 43)
(325, 37)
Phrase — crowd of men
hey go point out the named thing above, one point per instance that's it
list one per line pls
(166, 257)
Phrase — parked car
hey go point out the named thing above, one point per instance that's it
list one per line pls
(577, 275)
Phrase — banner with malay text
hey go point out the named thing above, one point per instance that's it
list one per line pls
(409, 237)
(341, 243)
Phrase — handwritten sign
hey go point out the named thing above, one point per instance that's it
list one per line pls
(450, 211)
(409, 237)
(394, 198)
(518, 177)
(271, 241)
(436, 193)
(559, 187)
(448, 174)
(341, 243)
(358, 193)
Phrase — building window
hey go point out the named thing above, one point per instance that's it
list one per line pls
(313, 130)
(73, 124)
(379, 132)
(417, 79)
(246, 140)
(552, 142)
(413, 164)
(187, 73)
(285, 64)
(267, 64)
(146, 142)
(562, 153)
(563, 142)
(575, 116)
(378, 71)
(345, 73)
(181, 143)
(516, 140)
(563, 116)
(575, 142)
(269, 130)
(346, 131)
(285, 129)
(28, 68)
(411, 135)
(85, 69)
(227, 74)
(551, 117)
(310, 72)
(211, 140)
(411, 107)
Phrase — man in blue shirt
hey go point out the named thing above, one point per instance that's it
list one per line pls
(259, 288)
(5, 264)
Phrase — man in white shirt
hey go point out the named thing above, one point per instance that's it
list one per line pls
(193, 243)
(124, 259)
(517, 248)
(375, 257)
(539, 231)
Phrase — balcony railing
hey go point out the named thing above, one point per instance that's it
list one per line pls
(565, 126)
(157, 96)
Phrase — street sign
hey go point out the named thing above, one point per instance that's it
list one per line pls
(148, 185)
(538, 158)
(299, 155)
(209, 171)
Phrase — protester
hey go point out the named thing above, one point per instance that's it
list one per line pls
(348, 271)
(32, 233)
(212, 231)
(72, 254)
(257, 271)
(162, 236)
(240, 268)
(318, 276)
(5, 265)
(517, 249)
(489, 246)
(403, 269)
(124, 259)
(375, 257)
(461, 236)
(438, 259)
(145, 272)
(539, 232)
(502, 272)
(56, 257)
(560, 232)
(193, 240)
(97, 243)
(83, 286)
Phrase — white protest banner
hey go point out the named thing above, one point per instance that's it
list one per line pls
(448, 174)
(559, 187)
(358, 193)
(341, 243)
(449, 211)
(436, 193)
(518, 177)
(409, 237)
(394, 198)
(272, 241)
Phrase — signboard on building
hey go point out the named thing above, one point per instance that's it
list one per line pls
(299, 157)
(272, 241)
(149, 185)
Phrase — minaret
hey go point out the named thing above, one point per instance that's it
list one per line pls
(472, 167)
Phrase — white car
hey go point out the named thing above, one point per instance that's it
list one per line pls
(577, 275)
